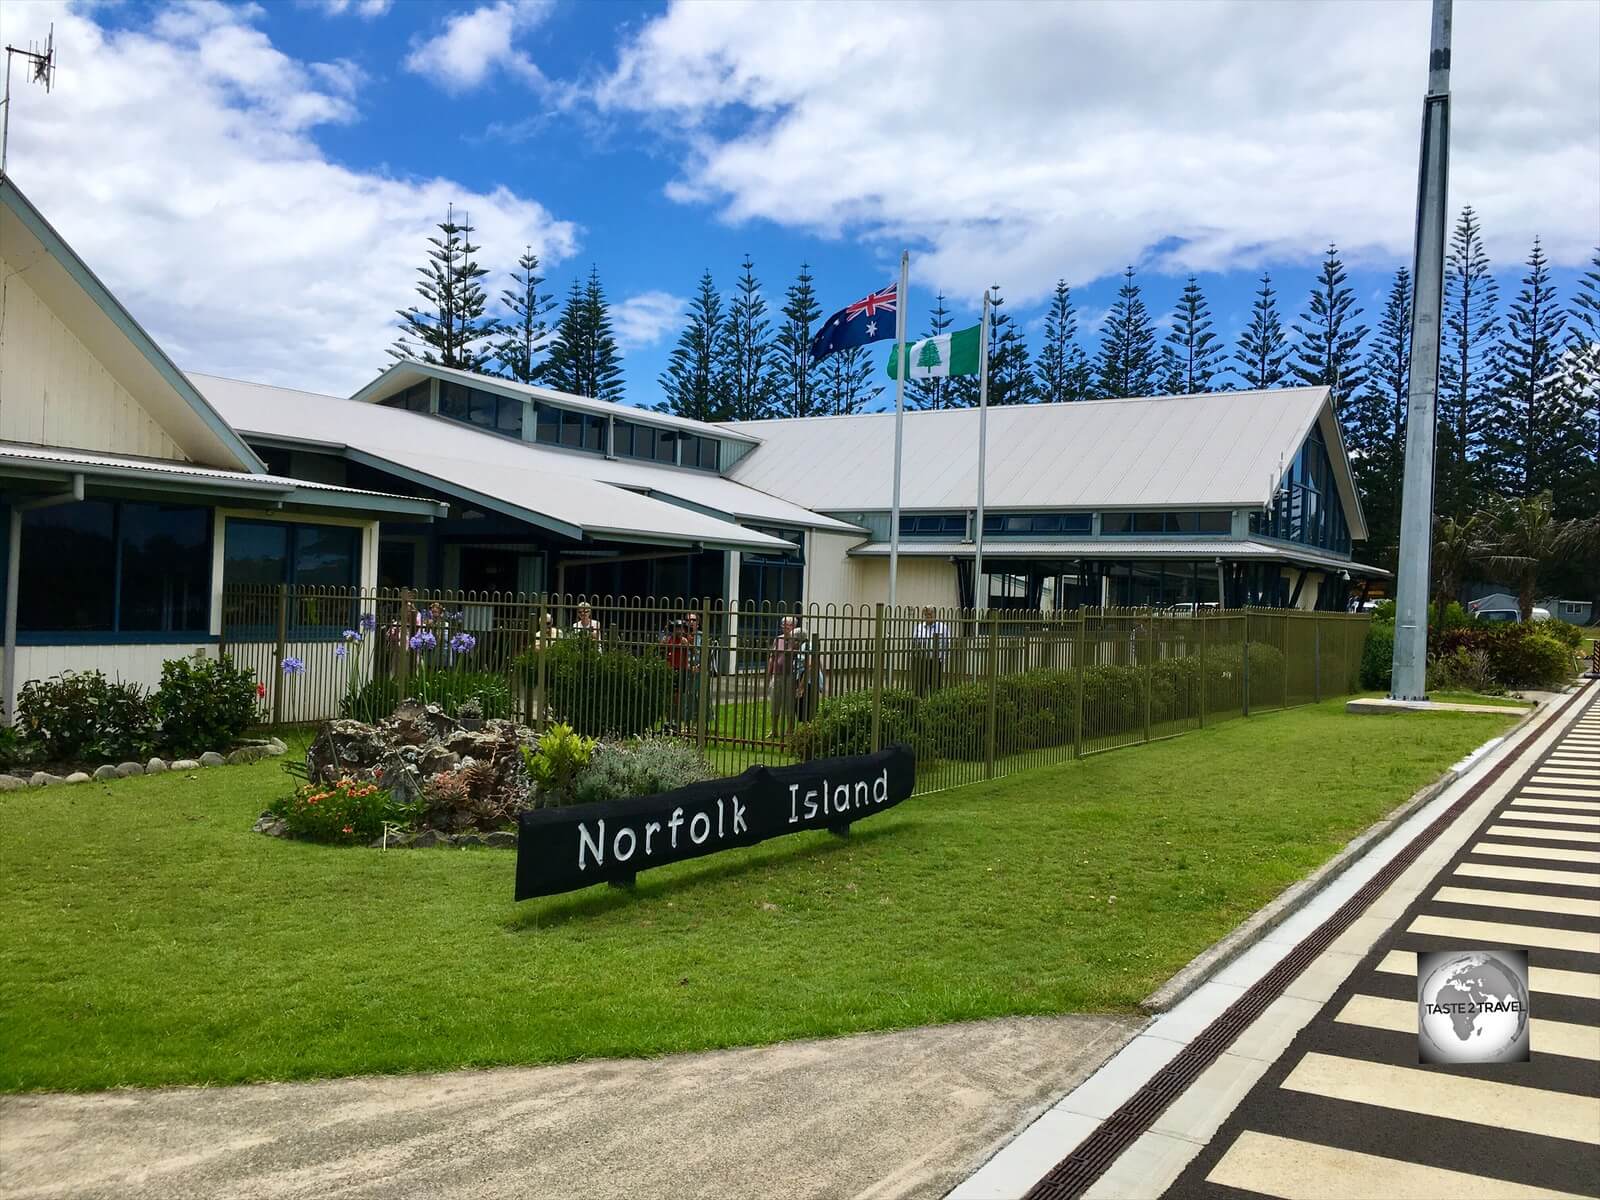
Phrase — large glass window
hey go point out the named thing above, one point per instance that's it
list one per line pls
(108, 567)
(414, 398)
(267, 552)
(1307, 508)
(1165, 523)
(166, 568)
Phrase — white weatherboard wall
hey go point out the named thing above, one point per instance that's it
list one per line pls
(129, 663)
(58, 394)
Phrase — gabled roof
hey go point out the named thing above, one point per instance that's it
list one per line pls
(405, 373)
(86, 306)
(573, 494)
(1222, 450)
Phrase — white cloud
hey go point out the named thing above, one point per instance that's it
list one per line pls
(366, 9)
(644, 319)
(1020, 141)
(474, 44)
(176, 161)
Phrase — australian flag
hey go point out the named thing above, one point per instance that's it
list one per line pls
(869, 320)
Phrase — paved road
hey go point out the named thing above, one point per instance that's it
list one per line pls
(1347, 1112)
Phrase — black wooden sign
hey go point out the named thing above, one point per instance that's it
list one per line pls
(562, 849)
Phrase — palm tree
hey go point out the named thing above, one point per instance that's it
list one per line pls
(1519, 536)
(1457, 548)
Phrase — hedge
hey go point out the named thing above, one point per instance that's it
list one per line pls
(1039, 709)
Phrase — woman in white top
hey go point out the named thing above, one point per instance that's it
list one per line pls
(586, 625)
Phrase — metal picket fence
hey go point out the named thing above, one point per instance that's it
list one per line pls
(977, 694)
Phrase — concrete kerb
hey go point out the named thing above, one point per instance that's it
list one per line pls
(1258, 925)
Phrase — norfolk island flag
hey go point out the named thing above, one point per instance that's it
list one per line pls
(948, 354)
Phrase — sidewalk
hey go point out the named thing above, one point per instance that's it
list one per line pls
(873, 1116)
(1321, 1095)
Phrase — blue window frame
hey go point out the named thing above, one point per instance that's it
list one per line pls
(1307, 508)
(934, 525)
(116, 569)
(1036, 524)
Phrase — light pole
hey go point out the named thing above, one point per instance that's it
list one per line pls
(1409, 679)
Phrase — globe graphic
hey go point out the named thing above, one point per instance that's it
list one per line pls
(1483, 1008)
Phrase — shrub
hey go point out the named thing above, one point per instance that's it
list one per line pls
(1377, 656)
(1532, 660)
(1463, 670)
(81, 715)
(641, 768)
(601, 691)
(555, 762)
(13, 750)
(378, 698)
(843, 725)
(1383, 610)
(478, 795)
(204, 704)
(1569, 635)
(347, 811)
(951, 722)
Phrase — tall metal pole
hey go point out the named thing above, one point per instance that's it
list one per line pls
(899, 420)
(1409, 680)
(980, 600)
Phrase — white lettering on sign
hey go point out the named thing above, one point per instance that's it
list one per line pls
(729, 820)
(596, 847)
(616, 846)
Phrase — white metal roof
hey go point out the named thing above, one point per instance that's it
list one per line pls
(571, 492)
(409, 371)
(1120, 548)
(93, 462)
(1222, 449)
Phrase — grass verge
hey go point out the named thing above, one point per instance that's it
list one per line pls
(148, 937)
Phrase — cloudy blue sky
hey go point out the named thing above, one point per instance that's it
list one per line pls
(256, 181)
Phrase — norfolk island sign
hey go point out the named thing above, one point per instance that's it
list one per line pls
(562, 849)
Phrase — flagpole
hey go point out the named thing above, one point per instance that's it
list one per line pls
(899, 421)
(983, 446)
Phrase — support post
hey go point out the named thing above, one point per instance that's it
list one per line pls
(1205, 680)
(902, 300)
(994, 687)
(278, 654)
(1409, 673)
(544, 644)
(1316, 659)
(1244, 660)
(1080, 650)
(1149, 669)
(877, 678)
(701, 677)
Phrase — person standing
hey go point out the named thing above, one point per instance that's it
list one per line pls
(677, 645)
(586, 625)
(930, 647)
(693, 674)
(780, 678)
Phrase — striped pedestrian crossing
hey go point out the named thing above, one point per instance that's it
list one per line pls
(1349, 1111)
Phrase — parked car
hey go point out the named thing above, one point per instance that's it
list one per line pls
(1506, 614)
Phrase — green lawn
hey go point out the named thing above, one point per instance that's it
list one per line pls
(148, 937)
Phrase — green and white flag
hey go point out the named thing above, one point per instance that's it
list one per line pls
(948, 354)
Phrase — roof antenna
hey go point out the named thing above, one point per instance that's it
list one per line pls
(44, 71)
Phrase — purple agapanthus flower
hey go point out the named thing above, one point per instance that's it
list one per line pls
(368, 622)
(350, 635)
(293, 666)
(423, 640)
(462, 643)
(341, 650)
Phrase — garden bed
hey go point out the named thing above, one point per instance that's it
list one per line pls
(173, 946)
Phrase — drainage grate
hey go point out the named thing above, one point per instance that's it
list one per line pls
(1073, 1175)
